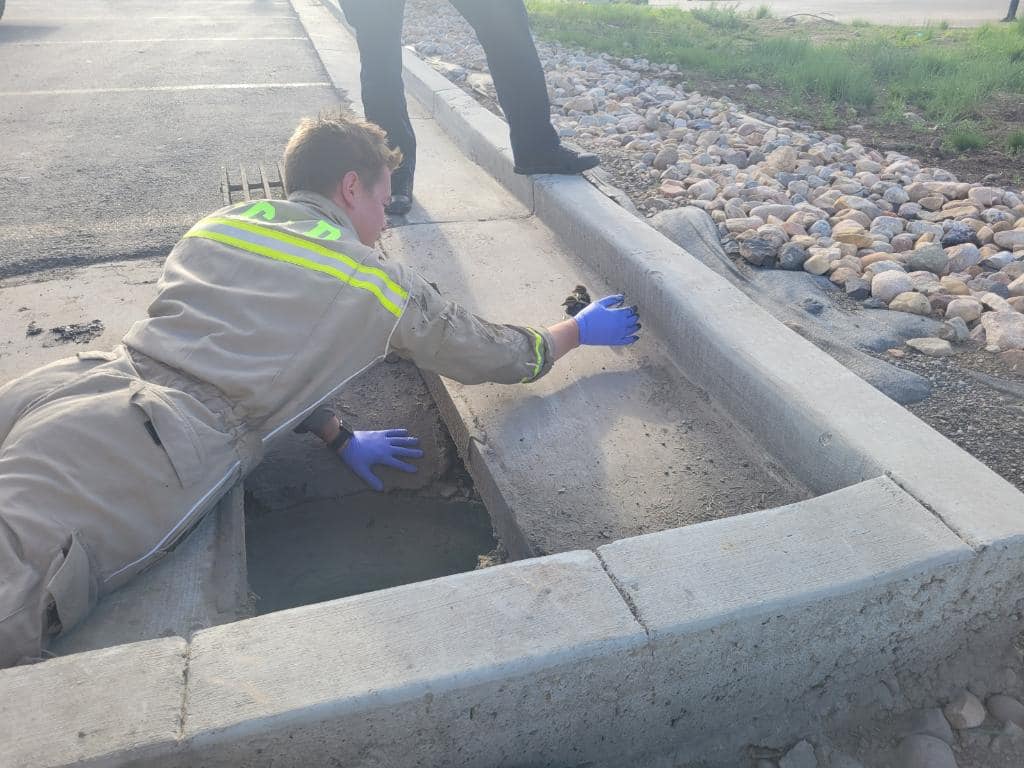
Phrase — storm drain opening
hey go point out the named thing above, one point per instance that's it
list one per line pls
(331, 548)
(315, 532)
(242, 184)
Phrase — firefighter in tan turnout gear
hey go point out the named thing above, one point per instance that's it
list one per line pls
(264, 310)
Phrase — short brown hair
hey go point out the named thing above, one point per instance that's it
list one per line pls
(323, 149)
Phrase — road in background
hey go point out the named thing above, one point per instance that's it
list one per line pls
(912, 12)
(118, 117)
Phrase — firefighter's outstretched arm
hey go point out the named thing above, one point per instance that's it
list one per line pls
(443, 337)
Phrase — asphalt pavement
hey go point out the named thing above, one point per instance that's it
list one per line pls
(118, 116)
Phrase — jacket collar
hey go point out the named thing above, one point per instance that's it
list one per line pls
(323, 206)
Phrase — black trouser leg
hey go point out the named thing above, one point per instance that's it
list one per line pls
(504, 32)
(1011, 14)
(378, 25)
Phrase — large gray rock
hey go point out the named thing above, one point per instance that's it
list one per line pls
(793, 256)
(786, 295)
(800, 756)
(961, 257)
(986, 197)
(930, 258)
(886, 286)
(878, 267)
(930, 722)
(762, 249)
(918, 751)
(1004, 330)
(912, 302)
(666, 157)
(955, 330)
(995, 302)
(967, 309)
(1010, 239)
(842, 760)
(965, 711)
(857, 288)
(778, 210)
(933, 347)
(706, 189)
(890, 226)
(1007, 709)
(782, 159)
(866, 207)
(997, 261)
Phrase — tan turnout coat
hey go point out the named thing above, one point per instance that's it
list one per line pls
(264, 310)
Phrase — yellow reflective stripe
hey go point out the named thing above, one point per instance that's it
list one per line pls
(263, 208)
(324, 231)
(315, 247)
(538, 350)
(271, 253)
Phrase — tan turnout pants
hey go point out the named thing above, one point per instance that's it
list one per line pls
(101, 473)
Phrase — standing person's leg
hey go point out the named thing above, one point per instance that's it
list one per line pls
(1011, 13)
(504, 32)
(378, 25)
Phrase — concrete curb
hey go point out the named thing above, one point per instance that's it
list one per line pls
(68, 711)
(572, 659)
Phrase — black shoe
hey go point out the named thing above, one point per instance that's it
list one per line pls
(558, 160)
(400, 205)
(401, 193)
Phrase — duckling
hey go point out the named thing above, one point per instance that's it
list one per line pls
(575, 301)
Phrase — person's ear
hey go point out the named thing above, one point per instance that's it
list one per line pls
(348, 189)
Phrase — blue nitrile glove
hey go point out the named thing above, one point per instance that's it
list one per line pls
(386, 446)
(607, 323)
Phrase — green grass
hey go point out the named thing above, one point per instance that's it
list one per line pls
(965, 137)
(720, 18)
(1015, 142)
(946, 74)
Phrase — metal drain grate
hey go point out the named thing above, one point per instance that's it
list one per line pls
(261, 186)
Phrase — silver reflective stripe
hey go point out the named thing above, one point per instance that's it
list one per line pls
(283, 246)
(181, 524)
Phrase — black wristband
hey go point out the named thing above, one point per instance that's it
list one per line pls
(344, 433)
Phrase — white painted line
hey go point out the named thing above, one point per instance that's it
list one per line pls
(154, 88)
(213, 20)
(30, 3)
(154, 40)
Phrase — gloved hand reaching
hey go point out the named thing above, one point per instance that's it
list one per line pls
(607, 323)
(387, 447)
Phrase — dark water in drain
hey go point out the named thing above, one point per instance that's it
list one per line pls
(322, 550)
